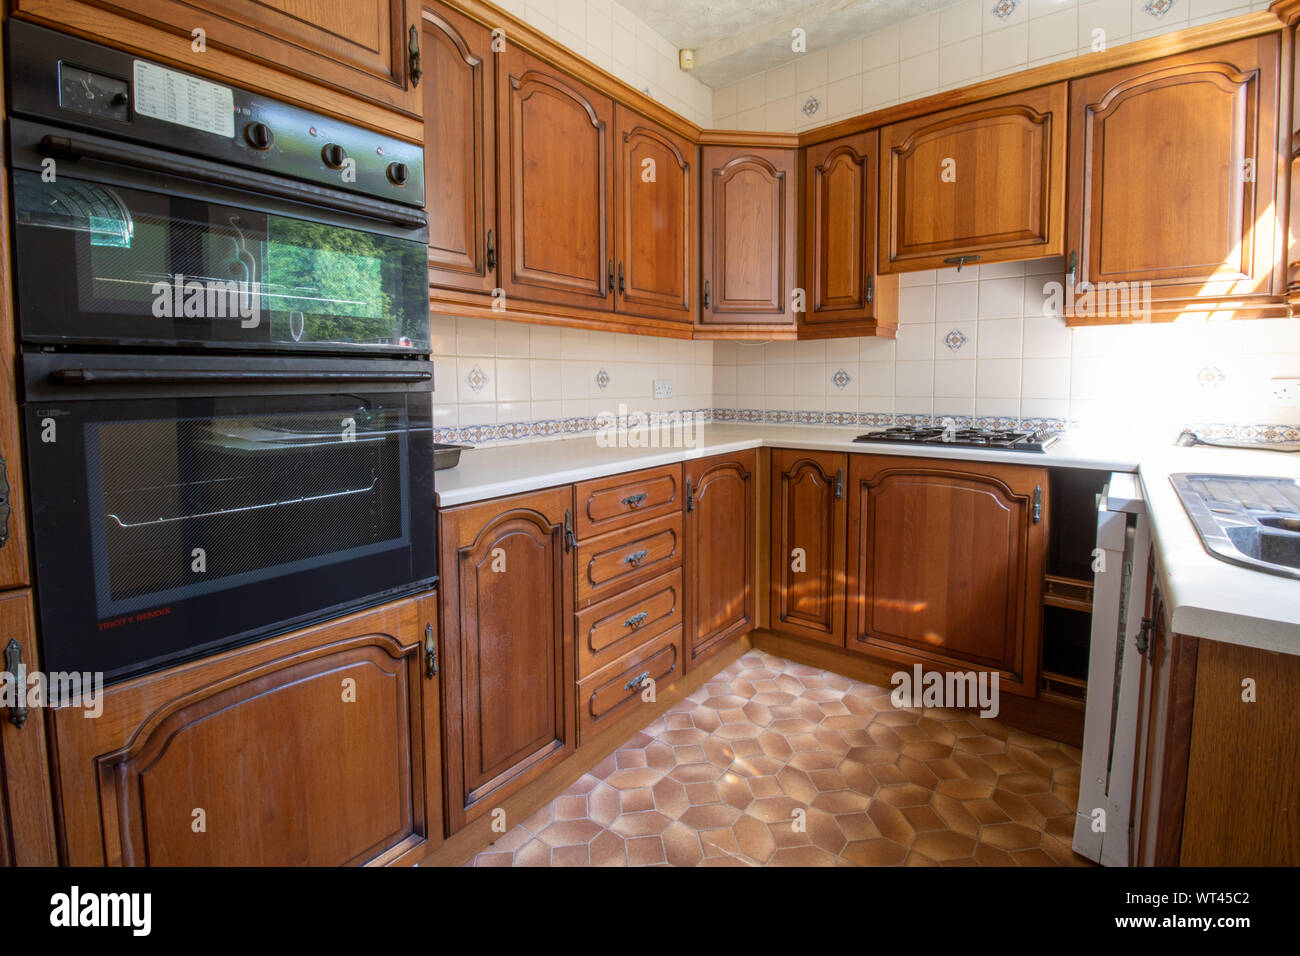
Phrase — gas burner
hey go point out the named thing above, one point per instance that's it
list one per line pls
(999, 438)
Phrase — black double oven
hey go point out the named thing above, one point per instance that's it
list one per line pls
(225, 368)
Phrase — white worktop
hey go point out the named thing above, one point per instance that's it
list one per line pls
(1206, 597)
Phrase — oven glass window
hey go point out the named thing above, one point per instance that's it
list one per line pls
(185, 507)
(100, 262)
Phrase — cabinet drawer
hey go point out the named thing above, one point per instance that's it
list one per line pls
(609, 564)
(621, 500)
(614, 627)
(616, 690)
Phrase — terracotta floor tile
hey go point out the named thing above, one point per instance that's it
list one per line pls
(642, 851)
(877, 852)
(777, 763)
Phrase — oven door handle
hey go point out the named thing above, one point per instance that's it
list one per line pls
(127, 376)
(122, 154)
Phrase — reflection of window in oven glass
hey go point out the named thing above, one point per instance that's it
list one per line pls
(256, 493)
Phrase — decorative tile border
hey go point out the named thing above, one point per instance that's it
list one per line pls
(591, 424)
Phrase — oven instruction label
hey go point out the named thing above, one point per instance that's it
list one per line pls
(183, 99)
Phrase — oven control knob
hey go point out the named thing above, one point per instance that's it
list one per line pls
(398, 174)
(258, 135)
(334, 155)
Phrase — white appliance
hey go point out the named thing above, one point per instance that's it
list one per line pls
(1106, 829)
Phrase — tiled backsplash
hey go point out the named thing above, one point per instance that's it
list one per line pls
(980, 343)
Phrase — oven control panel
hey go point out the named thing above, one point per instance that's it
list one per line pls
(76, 83)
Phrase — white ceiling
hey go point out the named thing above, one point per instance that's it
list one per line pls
(733, 39)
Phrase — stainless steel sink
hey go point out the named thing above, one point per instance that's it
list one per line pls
(1250, 521)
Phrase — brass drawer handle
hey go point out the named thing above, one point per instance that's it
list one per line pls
(637, 681)
(636, 620)
(636, 557)
(635, 501)
(14, 665)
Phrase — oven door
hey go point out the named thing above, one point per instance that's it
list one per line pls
(166, 528)
(120, 245)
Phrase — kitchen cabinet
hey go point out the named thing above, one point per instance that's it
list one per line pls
(460, 185)
(809, 522)
(13, 531)
(655, 221)
(840, 233)
(364, 48)
(317, 748)
(26, 804)
(946, 563)
(719, 553)
(984, 182)
(508, 583)
(556, 185)
(1173, 184)
(749, 216)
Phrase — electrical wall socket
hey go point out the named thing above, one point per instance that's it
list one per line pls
(1286, 391)
(663, 388)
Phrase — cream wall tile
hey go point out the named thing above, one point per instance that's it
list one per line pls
(960, 22)
(880, 87)
(811, 71)
(1006, 49)
(881, 47)
(1054, 35)
(844, 61)
(844, 98)
(918, 75)
(960, 63)
(1111, 17)
(920, 35)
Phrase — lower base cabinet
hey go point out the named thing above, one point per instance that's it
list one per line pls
(319, 748)
(719, 535)
(946, 563)
(507, 577)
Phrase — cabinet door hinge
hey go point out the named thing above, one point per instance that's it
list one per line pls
(430, 653)
(570, 540)
(413, 61)
(1038, 503)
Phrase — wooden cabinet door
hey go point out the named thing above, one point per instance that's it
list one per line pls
(362, 47)
(748, 219)
(840, 228)
(26, 802)
(654, 183)
(809, 514)
(1173, 168)
(507, 581)
(460, 183)
(719, 558)
(946, 564)
(984, 181)
(556, 191)
(320, 748)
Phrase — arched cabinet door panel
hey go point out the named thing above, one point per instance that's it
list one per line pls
(1173, 177)
(507, 573)
(719, 560)
(655, 221)
(460, 190)
(840, 229)
(946, 565)
(555, 136)
(808, 550)
(984, 182)
(749, 203)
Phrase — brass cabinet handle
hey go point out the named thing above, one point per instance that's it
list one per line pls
(4, 503)
(1038, 503)
(1073, 274)
(570, 541)
(611, 275)
(635, 501)
(636, 557)
(430, 653)
(18, 674)
(491, 252)
(839, 483)
(622, 286)
(706, 293)
(637, 681)
(413, 49)
(690, 496)
(636, 620)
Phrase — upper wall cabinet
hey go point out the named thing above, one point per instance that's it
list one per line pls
(460, 189)
(368, 48)
(979, 183)
(749, 202)
(557, 192)
(655, 189)
(840, 235)
(1173, 173)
